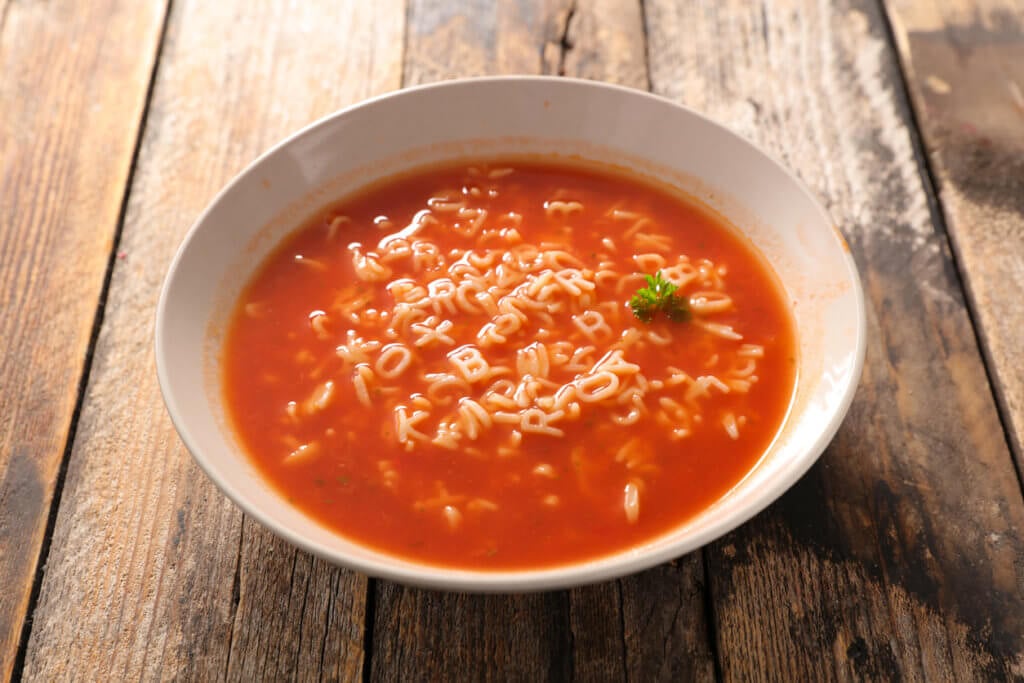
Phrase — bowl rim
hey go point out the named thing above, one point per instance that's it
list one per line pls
(560, 576)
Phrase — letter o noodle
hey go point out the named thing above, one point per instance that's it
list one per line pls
(597, 387)
(393, 361)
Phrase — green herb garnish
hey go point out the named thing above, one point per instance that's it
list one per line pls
(659, 297)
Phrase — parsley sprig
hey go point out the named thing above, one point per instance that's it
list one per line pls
(659, 297)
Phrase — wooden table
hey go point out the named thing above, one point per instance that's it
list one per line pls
(901, 554)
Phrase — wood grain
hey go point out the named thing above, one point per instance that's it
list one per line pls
(65, 157)
(424, 635)
(964, 66)
(601, 40)
(297, 617)
(645, 627)
(583, 634)
(899, 555)
(152, 572)
(667, 633)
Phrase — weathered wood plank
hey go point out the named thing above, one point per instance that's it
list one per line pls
(582, 633)
(297, 617)
(73, 83)
(598, 39)
(964, 66)
(646, 627)
(477, 38)
(665, 623)
(152, 573)
(425, 635)
(899, 555)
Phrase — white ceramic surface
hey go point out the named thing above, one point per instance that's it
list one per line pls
(510, 115)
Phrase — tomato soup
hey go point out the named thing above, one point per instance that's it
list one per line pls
(509, 364)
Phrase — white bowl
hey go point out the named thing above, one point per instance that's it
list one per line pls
(493, 116)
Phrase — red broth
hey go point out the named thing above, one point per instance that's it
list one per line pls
(416, 451)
